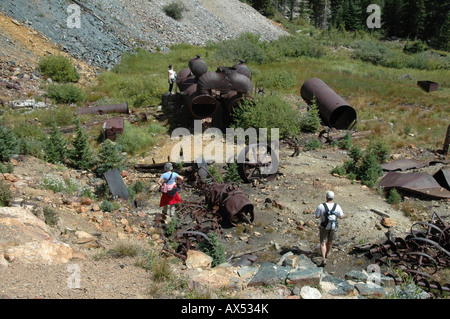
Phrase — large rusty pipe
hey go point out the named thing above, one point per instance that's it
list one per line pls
(224, 79)
(114, 108)
(200, 105)
(335, 111)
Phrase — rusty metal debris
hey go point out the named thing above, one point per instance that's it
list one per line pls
(405, 164)
(258, 162)
(421, 254)
(334, 110)
(224, 205)
(112, 127)
(419, 183)
(205, 92)
(428, 86)
(114, 108)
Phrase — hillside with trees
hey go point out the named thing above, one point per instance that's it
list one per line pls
(425, 20)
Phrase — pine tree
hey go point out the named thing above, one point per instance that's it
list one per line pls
(80, 155)
(55, 146)
(413, 18)
(110, 157)
(391, 13)
(8, 143)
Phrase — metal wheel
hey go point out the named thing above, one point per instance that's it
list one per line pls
(257, 162)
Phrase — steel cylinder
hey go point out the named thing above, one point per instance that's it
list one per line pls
(334, 110)
(198, 66)
(185, 79)
(242, 68)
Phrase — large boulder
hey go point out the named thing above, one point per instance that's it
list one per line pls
(25, 238)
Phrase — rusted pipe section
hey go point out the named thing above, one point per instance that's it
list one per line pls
(334, 110)
(225, 79)
(114, 108)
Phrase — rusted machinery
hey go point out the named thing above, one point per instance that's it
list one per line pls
(205, 92)
(224, 204)
(334, 110)
(420, 254)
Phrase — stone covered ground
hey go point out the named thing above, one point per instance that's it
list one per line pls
(283, 237)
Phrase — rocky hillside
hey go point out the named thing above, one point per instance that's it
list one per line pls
(109, 28)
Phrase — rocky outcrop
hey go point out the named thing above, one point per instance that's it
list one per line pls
(27, 239)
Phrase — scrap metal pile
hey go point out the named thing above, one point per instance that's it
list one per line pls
(224, 205)
(421, 254)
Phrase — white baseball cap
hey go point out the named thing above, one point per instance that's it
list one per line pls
(330, 195)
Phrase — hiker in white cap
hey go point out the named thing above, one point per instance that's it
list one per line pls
(328, 213)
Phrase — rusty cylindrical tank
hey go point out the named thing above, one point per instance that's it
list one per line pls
(335, 111)
(197, 66)
(185, 79)
(242, 68)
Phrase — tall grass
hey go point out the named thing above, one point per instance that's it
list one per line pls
(136, 139)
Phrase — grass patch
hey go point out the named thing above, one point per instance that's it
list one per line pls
(136, 139)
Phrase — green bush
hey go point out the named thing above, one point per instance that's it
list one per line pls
(232, 174)
(215, 173)
(8, 168)
(174, 10)
(269, 111)
(380, 148)
(66, 93)
(369, 170)
(394, 197)
(312, 145)
(415, 47)
(51, 216)
(214, 249)
(8, 143)
(138, 138)
(297, 46)
(363, 166)
(107, 206)
(5, 194)
(277, 80)
(58, 68)
(247, 47)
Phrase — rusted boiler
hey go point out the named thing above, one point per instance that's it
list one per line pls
(204, 92)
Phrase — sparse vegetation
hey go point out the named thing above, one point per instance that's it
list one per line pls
(5, 194)
(66, 93)
(174, 9)
(59, 68)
